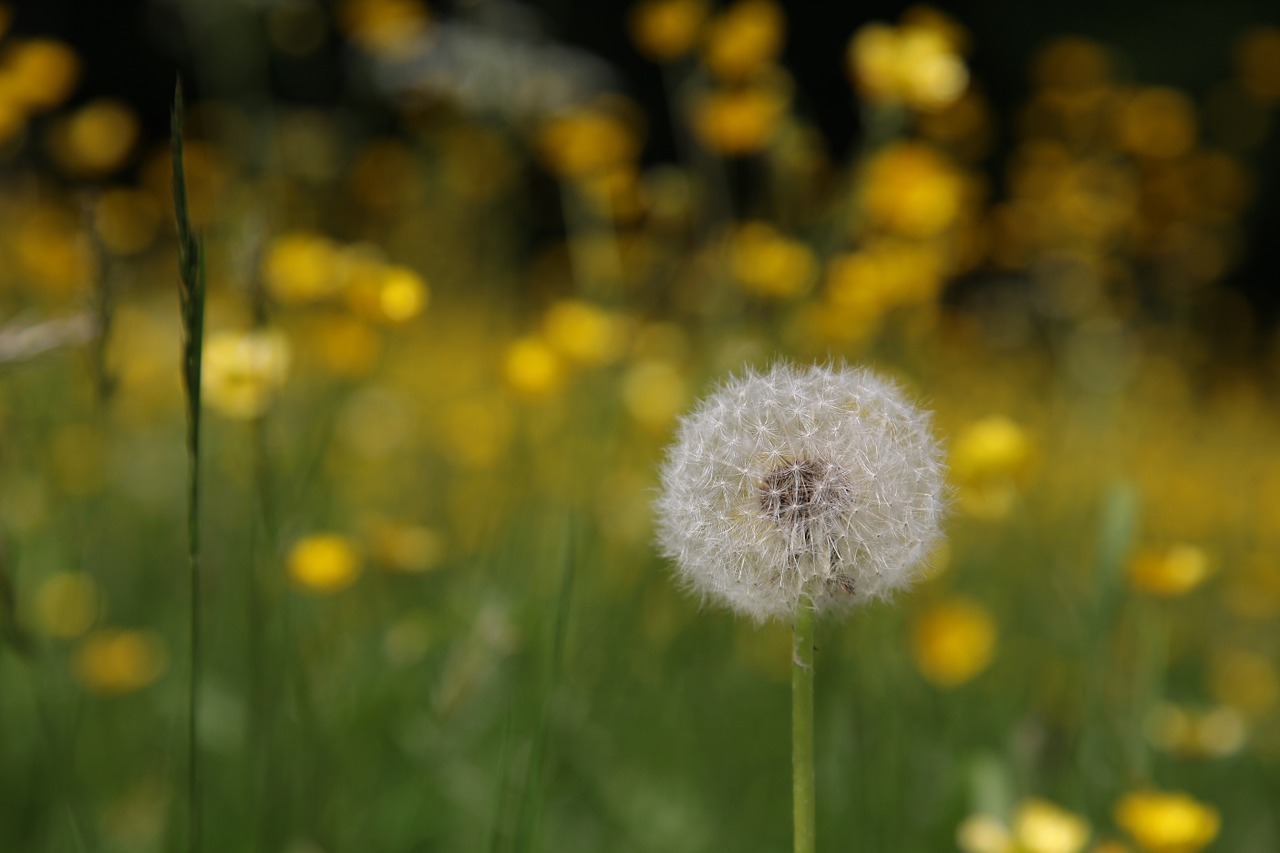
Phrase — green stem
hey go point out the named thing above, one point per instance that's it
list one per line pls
(802, 726)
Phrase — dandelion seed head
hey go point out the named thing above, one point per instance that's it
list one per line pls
(823, 482)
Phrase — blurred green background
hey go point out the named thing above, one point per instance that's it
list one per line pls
(466, 266)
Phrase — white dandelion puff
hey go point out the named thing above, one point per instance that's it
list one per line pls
(823, 483)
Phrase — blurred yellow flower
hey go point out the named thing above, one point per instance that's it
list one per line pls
(301, 267)
(739, 121)
(989, 460)
(39, 73)
(654, 393)
(768, 263)
(243, 371)
(1168, 572)
(126, 220)
(324, 563)
(743, 39)
(1258, 63)
(579, 143)
(409, 548)
(1167, 822)
(1245, 680)
(344, 346)
(532, 368)
(882, 275)
(390, 27)
(96, 139)
(917, 64)
(664, 30)
(584, 333)
(953, 641)
(382, 292)
(981, 833)
(1040, 826)
(1158, 122)
(1212, 733)
(67, 604)
(912, 191)
(119, 661)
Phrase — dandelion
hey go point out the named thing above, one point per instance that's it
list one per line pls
(324, 563)
(795, 491)
(821, 484)
(1167, 822)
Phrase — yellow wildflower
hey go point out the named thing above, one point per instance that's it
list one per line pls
(96, 139)
(324, 562)
(654, 393)
(917, 64)
(989, 460)
(579, 143)
(770, 264)
(409, 548)
(1158, 122)
(39, 73)
(953, 641)
(532, 368)
(119, 661)
(739, 121)
(1183, 731)
(912, 191)
(301, 267)
(981, 833)
(67, 604)
(390, 27)
(743, 40)
(243, 371)
(1040, 826)
(584, 333)
(664, 30)
(1167, 822)
(1168, 572)
(344, 346)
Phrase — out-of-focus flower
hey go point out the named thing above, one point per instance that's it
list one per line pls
(1194, 733)
(1040, 826)
(740, 120)
(1167, 822)
(982, 833)
(384, 293)
(584, 333)
(989, 461)
(654, 392)
(38, 73)
(67, 605)
(770, 264)
(343, 346)
(243, 371)
(96, 139)
(390, 27)
(119, 661)
(742, 40)
(324, 563)
(301, 267)
(409, 548)
(126, 220)
(591, 139)
(820, 484)
(1169, 572)
(664, 30)
(883, 275)
(532, 368)
(953, 641)
(912, 191)
(917, 63)
(1258, 63)
(1159, 123)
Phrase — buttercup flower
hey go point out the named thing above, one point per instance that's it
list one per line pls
(821, 483)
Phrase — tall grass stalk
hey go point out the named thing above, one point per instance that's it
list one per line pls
(191, 287)
(802, 774)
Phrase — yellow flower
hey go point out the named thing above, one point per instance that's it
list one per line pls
(912, 191)
(532, 368)
(344, 346)
(324, 562)
(981, 833)
(743, 40)
(403, 547)
(243, 371)
(382, 292)
(67, 605)
(590, 140)
(390, 27)
(1258, 63)
(1167, 822)
(301, 267)
(664, 30)
(39, 73)
(584, 333)
(953, 641)
(1159, 123)
(119, 661)
(654, 393)
(96, 139)
(1213, 733)
(741, 120)
(1168, 572)
(1039, 826)
(917, 64)
(770, 264)
(989, 460)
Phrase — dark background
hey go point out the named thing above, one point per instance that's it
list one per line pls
(133, 48)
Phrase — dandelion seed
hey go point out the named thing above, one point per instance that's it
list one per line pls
(822, 482)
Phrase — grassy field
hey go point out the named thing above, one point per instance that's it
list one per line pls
(443, 353)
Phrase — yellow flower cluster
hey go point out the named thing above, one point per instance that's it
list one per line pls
(918, 64)
(243, 371)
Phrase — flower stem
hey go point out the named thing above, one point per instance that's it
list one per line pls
(802, 726)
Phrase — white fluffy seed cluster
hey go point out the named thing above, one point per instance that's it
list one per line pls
(823, 482)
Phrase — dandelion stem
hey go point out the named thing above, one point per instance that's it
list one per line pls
(802, 726)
